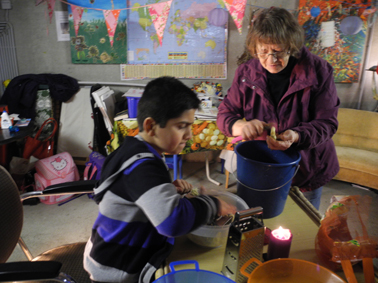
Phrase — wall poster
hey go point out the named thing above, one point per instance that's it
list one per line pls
(98, 31)
(336, 31)
(191, 44)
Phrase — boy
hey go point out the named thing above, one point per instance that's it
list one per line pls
(140, 209)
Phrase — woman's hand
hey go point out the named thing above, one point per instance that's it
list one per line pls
(253, 129)
(182, 186)
(283, 141)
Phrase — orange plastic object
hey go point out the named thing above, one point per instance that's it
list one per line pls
(3, 107)
(289, 270)
(345, 238)
(344, 234)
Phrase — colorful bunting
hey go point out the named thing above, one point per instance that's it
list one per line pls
(159, 14)
(37, 2)
(50, 7)
(77, 12)
(236, 9)
(111, 19)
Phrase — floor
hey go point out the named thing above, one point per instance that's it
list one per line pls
(48, 226)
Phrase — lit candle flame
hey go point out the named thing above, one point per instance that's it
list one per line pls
(281, 234)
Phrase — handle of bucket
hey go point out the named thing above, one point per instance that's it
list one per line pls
(268, 190)
(247, 264)
(180, 262)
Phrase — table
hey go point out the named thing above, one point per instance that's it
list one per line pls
(7, 137)
(206, 137)
(303, 228)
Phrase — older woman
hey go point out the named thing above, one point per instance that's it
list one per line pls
(280, 83)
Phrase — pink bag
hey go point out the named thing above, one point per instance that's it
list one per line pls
(59, 168)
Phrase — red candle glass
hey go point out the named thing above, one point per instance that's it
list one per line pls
(279, 243)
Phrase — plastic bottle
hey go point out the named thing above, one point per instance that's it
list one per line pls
(5, 121)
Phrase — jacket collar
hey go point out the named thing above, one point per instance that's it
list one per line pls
(303, 74)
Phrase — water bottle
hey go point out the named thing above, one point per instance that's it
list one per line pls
(5, 121)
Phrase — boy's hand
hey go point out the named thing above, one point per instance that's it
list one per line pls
(182, 186)
(195, 192)
(225, 208)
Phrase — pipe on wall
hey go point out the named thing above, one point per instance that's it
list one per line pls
(8, 58)
(367, 56)
(110, 83)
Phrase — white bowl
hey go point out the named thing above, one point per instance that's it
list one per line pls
(215, 236)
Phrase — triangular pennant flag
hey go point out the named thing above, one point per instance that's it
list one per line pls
(111, 19)
(50, 7)
(37, 2)
(159, 14)
(236, 9)
(77, 12)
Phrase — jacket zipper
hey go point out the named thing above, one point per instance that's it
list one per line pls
(253, 86)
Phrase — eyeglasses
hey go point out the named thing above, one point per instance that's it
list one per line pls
(276, 55)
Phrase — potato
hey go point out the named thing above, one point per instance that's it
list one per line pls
(273, 133)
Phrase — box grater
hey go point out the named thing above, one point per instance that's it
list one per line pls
(245, 241)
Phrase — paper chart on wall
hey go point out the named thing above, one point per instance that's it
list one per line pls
(328, 33)
(62, 26)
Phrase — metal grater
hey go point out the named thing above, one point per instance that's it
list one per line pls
(245, 241)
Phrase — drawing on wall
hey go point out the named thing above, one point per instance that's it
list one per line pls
(336, 31)
(97, 31)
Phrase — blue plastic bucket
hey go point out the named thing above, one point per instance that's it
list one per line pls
(264, 175)
(191, 275)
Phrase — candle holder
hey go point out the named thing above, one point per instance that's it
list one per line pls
(279, 243)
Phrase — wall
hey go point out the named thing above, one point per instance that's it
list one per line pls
(38, 51)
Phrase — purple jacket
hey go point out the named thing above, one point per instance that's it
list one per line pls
(309, 107)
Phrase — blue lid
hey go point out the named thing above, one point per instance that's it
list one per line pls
(192, 275)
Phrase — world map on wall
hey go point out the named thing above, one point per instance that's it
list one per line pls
(188, 36)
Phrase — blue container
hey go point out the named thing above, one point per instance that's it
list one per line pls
(191, 275)
(264, 175)
(132, 104)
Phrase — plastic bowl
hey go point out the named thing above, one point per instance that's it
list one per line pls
(289, 270)
(195, 275)
(215, 236)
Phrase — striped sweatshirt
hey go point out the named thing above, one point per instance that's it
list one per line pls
(140, 213)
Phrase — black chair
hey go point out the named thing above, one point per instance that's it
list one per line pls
(64, 263)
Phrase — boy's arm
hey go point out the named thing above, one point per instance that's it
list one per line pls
(171, 214)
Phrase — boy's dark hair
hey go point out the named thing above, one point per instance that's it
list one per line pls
(163, 99)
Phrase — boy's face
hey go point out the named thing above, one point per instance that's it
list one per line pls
(173, 137)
